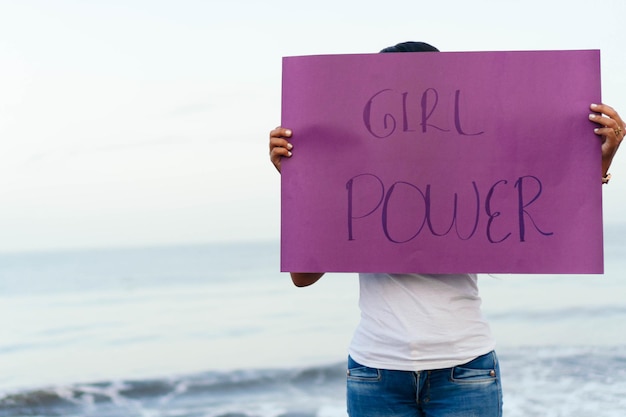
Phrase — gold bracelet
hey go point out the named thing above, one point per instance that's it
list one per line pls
(606, 178)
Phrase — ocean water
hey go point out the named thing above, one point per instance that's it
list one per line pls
(216, 331)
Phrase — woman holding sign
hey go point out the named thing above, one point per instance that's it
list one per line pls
(422, 347)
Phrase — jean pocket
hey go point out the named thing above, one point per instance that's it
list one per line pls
(483, 369)
(358, 372)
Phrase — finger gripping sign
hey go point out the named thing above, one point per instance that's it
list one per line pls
(474, 162)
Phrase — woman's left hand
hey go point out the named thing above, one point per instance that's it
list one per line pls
(611, 130)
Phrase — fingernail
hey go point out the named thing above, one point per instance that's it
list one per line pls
(594, 105)
(288, 153)
(288, 132)
(596, 130)
(289, 146)
(592, 116)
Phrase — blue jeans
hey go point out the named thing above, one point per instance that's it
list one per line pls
(471, 389)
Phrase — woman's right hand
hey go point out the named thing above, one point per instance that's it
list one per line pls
(280, 147)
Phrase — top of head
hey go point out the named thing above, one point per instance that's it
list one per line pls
(411, 47)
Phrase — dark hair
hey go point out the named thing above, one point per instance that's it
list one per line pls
(411, 47)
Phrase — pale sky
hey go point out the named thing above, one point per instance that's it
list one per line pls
(143, 122)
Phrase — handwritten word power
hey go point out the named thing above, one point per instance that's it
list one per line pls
(384, 201)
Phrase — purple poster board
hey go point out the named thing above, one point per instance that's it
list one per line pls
(474, 162)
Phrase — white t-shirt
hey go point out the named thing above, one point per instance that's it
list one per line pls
(416, 322)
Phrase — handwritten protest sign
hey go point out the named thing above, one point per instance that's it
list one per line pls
(476, 162)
